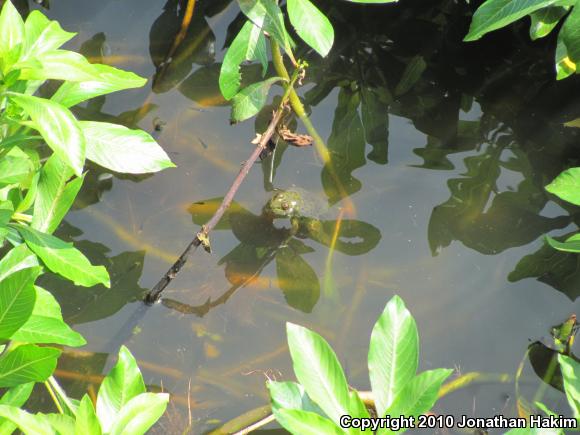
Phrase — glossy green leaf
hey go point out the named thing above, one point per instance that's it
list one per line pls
(45, 325)
(266, 14)
(393, 353)
(318, 370)
(290, 395)
(61, 423)
(62, 258)
(571, 34)
(572, 244)
(564, 65)
(55, 196)
(249, 44)
(140, 413)
(300, 422)
(17, 297)
(250, 100)
(123, 150)
(495, 14)
(16, 259)
(297, 280)
(545, 20)
(11, 35)
(57, 65)
(87, 421)
(123, 383)
(18, 395)
(418, 396)
(26, 422)
(13, 170)
(27, 363)
(566, 186)
(58, 127)
(109, 79)
(311, 25)
(42, 35)
(571, 375)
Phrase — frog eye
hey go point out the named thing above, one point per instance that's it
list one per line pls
(285, 205)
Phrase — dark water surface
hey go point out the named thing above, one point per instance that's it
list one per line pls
(444, 148)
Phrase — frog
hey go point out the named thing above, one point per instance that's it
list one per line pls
(285, 204)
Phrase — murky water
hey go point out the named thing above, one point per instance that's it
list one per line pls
(444, 148)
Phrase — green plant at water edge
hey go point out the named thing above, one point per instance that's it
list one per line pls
(123, 407)
(43, 149)
(545, 16)
(322, 395)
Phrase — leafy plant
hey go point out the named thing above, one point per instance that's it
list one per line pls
(545, 16)
(43, 150)
(322, 395)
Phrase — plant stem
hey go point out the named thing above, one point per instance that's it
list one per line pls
(22, 217)
(54, 398)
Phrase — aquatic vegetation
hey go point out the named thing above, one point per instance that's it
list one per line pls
(322, 398)
(43, 151)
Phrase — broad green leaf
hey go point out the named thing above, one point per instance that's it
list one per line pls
(495, 14)
(318, 370)
(393, 353)
(140, 413)
(26, 422)
(42, 35)
(17, 301)
(250, 100)
(6, 212)
(13, 170)
(266, 14)
(87, 422)
(566, 186)
(27, 363)
(571, 34)
(55, 196)
(300, 422)
(571, 375)
(418, 396)
(249, 44)
(297, 280)
(11, 36)
(18, 395)
(109, 79)
(62, 258)
(356, 405)
(544, 21)
(46, 325)
(58, 65)
(58, 127)
(572, 244)
(123, 383)
(311, 25)
(30, 196)
(290, 395)
(564, 65)
(61, 423)
(123, 150)
(16, 259)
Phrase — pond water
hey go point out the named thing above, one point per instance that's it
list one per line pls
(444, 149)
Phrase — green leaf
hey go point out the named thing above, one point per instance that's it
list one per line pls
(311, 25)
(572, 244)
(55, 196)
(11, 36)
(564, 65)
(393, 353)
(17, 301)
(290, 395)
(62, 258)
(18, 395)
(87, 422)
(13, 170)
(46, 325)
(123, 150)
(140, 413)
(495, 14)
(57, 65)
(571, 375)
(300, 422)
(27, 363)
(61, 423)
(266, 14)
(123, 383)
(413, 72)
(42, 35)
(544, 21)
(6, 212)
(16, 259)
(249, 44)
(27, 423)
(30, 196)
(566, 186)
(318, 370)
(297, 280)
(357, 407)
(250, 100)
(418, 396)
(372, 1)
(58, 127)
(571, 34)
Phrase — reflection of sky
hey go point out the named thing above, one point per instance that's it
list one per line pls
(467, 312)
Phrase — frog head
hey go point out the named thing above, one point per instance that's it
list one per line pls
(283, 204)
